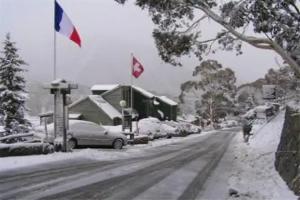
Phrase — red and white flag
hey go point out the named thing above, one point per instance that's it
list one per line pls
(137, 67)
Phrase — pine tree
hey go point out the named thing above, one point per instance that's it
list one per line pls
(12, 90)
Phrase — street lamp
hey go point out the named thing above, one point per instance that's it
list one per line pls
(123, 105)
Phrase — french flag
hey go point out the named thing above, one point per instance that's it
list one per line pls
(64, 25)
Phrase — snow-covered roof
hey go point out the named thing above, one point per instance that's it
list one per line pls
(168, 101)
(102, 104)
(50, 114)
(144, 92)
(105, 106)
(74, 115)
(46, 114)
(58, 81)
(77, 101)
(104, 87)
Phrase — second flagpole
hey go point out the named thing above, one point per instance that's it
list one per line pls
(54, 72)
(131, 82)
(54, 44)
(131, 91)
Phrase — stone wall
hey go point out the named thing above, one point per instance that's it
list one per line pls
(288, 153)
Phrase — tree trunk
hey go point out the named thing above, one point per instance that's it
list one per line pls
(211, 113)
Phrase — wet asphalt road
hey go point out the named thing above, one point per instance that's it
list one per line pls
(174, 171)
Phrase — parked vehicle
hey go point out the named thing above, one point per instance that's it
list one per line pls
(152, 128)
(183, 128)
(229, 124)
(177, 128)
(85, 133)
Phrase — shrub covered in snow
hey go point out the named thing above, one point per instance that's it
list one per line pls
(20, 149)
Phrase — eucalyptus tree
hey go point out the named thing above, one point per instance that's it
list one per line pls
(212, 92)
(276, 24)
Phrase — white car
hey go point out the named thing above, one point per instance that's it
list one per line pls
(85, 133)
(152, 127)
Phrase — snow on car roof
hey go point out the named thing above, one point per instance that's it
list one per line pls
(168, 100)
(105, 106)
(104, 87)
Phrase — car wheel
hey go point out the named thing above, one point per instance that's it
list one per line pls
(118, 144)
(72, 144)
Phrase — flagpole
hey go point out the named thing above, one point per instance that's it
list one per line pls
(131, 92)
(54, 74)
(54, 47)
(131, 82)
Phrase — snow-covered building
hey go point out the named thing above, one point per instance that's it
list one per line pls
(103, 106)
(96, 109)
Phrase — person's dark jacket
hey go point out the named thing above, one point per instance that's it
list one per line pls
(247, 127)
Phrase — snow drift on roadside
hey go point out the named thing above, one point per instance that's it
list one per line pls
(253, 173)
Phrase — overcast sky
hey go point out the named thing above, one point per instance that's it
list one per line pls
(109, 33)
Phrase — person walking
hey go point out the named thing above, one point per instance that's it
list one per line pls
(247, 127)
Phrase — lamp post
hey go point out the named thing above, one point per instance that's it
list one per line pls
(123, 105)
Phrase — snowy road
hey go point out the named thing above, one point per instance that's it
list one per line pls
(174, 171)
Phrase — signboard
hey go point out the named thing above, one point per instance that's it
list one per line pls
(269, 91)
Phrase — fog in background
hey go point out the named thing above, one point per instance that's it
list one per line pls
(109, 33)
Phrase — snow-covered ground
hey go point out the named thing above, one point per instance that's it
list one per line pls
(93, 154)
(249, 168)
(246, 168)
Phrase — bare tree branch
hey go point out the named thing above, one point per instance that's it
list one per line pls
(261, 43)
(295, 7)
(196, 23)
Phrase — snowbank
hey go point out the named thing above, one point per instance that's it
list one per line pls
(253, 173)
(295, 105)
(23, 148)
